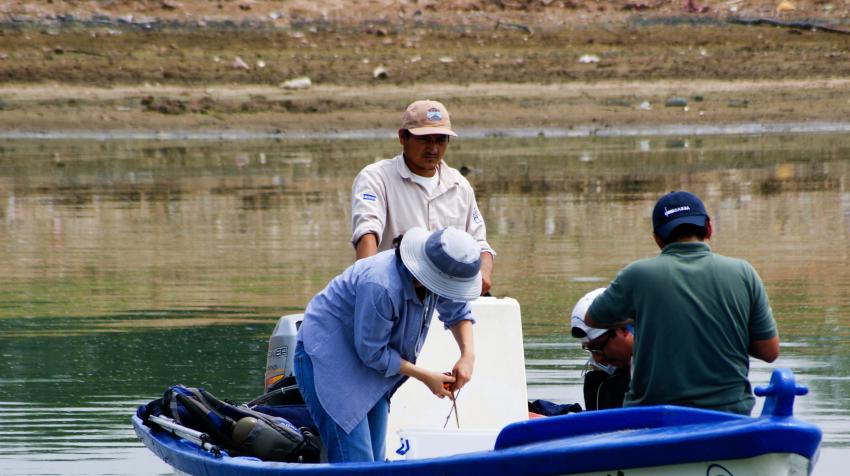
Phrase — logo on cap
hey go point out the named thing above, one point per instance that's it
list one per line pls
(434, 114)
(667, 212)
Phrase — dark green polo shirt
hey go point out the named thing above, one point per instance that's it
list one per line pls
(695, 314)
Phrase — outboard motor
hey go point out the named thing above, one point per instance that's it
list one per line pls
(281, 349)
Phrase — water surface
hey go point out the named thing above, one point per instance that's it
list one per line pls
(129, 266)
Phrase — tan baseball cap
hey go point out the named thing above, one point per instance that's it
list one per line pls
(427, 117)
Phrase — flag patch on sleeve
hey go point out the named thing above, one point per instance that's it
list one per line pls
(476, 218)
(369, 197)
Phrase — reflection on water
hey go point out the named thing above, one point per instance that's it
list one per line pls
(132, 266)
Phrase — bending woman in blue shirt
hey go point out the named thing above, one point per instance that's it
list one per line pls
(361, 336)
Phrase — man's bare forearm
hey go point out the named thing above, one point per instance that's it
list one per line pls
(367, 246)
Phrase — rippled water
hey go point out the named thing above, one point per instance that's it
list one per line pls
(129, 266)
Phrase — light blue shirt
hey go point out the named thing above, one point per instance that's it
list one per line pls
(357, 330)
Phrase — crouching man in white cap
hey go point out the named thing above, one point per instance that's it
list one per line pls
(605, 386)
(361, 336)
(610, 355)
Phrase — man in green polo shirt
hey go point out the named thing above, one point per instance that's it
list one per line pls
(697, 315)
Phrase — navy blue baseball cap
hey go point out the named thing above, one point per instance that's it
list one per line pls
(677, 208)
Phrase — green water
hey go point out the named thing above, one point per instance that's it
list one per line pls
(131, 266)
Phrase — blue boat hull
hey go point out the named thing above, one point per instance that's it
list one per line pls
(642, 440)
(589, 442)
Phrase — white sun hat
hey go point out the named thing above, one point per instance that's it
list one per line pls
(580, 330)
(447, 262)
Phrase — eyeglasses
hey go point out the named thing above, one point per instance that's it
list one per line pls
(599, 348)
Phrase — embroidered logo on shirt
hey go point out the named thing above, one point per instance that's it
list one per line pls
(434, 114)
(369, 197)
(667, 212)
(476, 218)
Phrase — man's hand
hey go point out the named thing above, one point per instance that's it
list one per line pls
(485, 284)
(486, 272)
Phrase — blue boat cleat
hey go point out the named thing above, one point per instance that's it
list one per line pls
(780, 394)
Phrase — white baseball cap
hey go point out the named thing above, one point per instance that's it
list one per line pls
(580, 330)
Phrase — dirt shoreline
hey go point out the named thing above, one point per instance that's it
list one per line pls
(595, 68)
(601, 108)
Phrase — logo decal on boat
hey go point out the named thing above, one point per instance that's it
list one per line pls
(404, 448)
(369, 197)
(715, 469)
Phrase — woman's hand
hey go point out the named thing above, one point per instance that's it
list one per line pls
(462, 371)
(439, 384)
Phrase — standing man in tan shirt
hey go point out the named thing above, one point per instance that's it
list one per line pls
(416, 188)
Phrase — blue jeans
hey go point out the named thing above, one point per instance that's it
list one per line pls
(366, 442)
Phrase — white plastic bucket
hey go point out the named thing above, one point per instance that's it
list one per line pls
(430, 443)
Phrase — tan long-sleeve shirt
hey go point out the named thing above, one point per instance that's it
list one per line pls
(387, 202)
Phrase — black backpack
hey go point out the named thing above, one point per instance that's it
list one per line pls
(240, 430)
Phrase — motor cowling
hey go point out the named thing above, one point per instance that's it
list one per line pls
(279, 362)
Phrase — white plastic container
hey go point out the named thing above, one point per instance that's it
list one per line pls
(431, 443)
(497, 394)
(281, 347)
